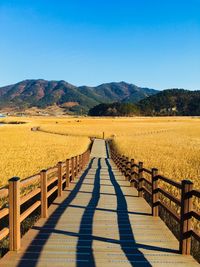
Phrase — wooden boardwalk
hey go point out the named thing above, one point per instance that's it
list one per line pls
(99, 221)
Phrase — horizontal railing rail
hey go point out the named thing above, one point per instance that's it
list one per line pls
(149, 182)
(46, 183)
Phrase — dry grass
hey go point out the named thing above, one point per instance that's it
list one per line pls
(170, 144)
(24, 153)
(175, 152)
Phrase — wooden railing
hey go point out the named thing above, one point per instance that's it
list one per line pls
(17, 207)
(148, 182)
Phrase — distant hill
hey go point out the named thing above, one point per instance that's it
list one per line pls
(42, 94)
(172, 102)
(114, 109)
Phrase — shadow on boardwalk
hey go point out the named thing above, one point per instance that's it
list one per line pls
(42, 241)
(84, 249)
(126, 241)
(84, 245)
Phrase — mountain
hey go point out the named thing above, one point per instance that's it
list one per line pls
(172, 102)
(42, 94)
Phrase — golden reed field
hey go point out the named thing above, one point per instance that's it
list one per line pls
(170, 144)
(24, 153)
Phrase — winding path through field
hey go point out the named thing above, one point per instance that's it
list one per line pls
(100, 221)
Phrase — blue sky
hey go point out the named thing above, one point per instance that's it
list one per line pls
(154, 43)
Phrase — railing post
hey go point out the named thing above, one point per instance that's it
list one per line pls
(60, 175)
(44, 199)
(72, 168)
(155, 196)
(114, 156)
(185, 224)
(14, 214)
(118, 161)
(121, 163)
(84, 159)
(140, 176)
(125, 165)
(112, 153)
(132, 172)
(67, 173)
(128, 170)
(80, 164)
(76, 166)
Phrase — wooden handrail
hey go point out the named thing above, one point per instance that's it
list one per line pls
(170, 211)
(50, 192)
(30, 180)
(53, 180)
(196, 193)
(4, 192)
(196, 235)
(49, 181)
(169, 196)
(146, 181)
(30, 195)
(184, 203)
(26, 213)
(4, 212)
(196, 215)
(147, 171)
(4, 232)
(52, 170)
(144, 189)
(169, 181)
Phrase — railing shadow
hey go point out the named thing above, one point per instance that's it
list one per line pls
(42, 241)
(84, 244)
(127, 240)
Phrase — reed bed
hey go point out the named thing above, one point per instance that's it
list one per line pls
(24, 152)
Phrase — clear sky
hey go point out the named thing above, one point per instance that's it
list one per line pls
(154, 43)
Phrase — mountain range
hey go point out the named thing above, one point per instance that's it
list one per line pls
(61, 97)
(42, 94)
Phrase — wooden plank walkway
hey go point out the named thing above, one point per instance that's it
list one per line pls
(99, 221)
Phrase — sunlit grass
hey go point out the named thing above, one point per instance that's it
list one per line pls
(24, 152)
(170, 144)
